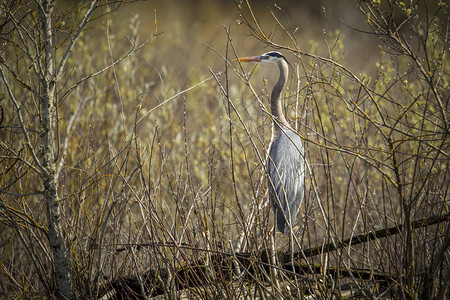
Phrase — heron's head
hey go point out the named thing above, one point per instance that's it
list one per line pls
(267, 58)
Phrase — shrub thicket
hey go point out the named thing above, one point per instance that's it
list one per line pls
(114, 161)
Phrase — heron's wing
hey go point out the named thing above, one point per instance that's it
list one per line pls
(286, 177)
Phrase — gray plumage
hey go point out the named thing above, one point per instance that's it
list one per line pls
(286, 165)
(286, 178)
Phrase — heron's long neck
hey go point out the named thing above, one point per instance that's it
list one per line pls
(275, 100)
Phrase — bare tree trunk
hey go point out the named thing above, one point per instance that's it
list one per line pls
(56, 240)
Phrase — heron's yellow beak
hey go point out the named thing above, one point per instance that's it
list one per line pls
(249, 59)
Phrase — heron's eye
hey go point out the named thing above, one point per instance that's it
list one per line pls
(267, 57)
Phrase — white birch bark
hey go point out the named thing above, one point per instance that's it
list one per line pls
(60, 259)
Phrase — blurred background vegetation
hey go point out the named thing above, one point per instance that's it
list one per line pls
(168, 146)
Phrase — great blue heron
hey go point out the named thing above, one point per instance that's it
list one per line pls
(286, 165)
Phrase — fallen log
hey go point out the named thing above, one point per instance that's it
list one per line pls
(251, 265)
